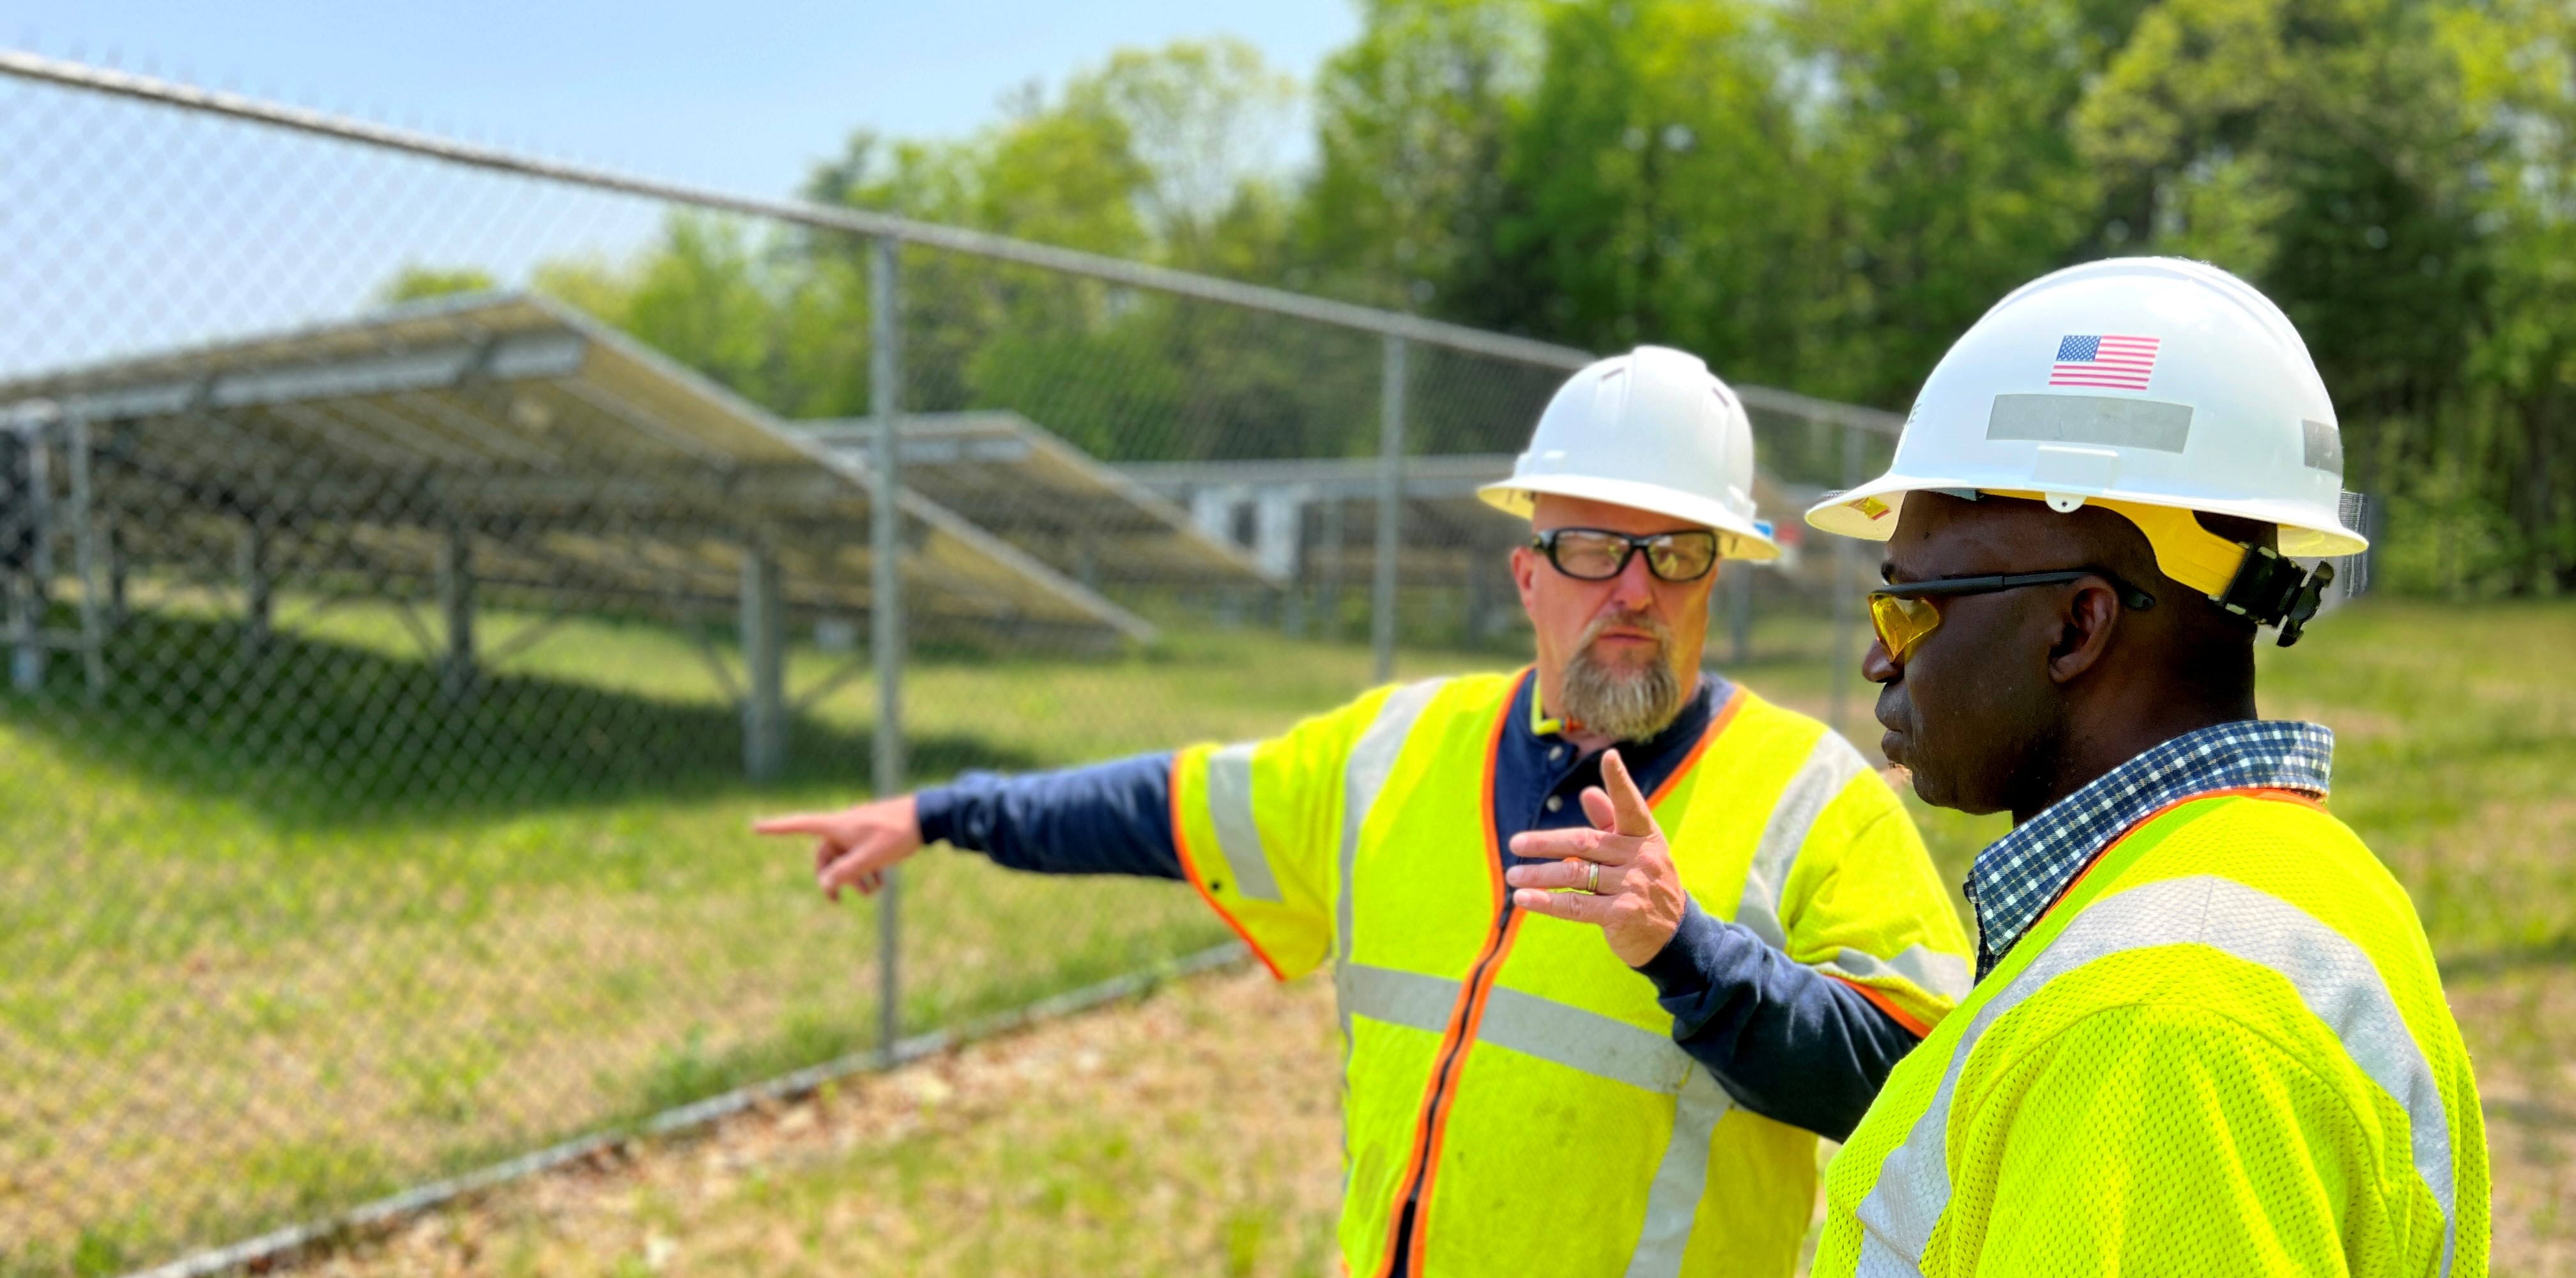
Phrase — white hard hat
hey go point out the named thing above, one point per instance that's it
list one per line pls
(2145, 379)
(2137, 383)
(1654, 430)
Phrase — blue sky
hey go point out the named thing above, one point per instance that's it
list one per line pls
(743, 94)
(134, 229)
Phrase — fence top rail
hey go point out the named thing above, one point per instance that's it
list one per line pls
(30, 66)
(76, 75)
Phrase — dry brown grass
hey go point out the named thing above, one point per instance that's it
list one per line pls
(1195, 1132)
(2521, 1026)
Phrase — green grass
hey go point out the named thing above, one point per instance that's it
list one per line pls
(286, 934)
(268, 954)
(1200, 1137)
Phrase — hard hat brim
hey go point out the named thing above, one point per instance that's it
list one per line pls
(2304, 534)
(1736, 535)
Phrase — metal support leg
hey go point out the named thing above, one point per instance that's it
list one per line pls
(87, 553)
(885, 608)
(259, 604)
(24, 484)
(456, 675)
(764, 700)
(1328, 591)
(1390, 503)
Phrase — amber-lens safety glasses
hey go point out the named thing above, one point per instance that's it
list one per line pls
(1905, 615)
(1595, 554)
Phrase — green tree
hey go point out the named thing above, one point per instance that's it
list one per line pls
(412, 283)
(1412, 121)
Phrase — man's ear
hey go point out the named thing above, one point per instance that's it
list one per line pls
(2086, 621)
(1525, 575)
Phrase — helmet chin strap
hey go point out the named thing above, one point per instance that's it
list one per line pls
(2276, 592)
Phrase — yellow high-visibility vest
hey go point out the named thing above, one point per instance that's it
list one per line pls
(1500, 1068)
(2225, 1051)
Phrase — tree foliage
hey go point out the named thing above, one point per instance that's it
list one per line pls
(1813, 193)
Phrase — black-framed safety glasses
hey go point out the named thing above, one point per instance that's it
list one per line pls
(1597, 554)
(1905, 616)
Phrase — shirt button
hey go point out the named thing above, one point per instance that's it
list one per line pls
(1555, 753)
(1555, 801)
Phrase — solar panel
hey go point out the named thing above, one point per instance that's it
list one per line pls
(581, 466)
(1027, 485)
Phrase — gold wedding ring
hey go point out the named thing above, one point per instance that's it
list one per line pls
(1592, 877)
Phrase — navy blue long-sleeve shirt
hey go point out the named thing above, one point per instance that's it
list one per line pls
(1787, 1042)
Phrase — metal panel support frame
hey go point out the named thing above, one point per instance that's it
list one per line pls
(764, 700)
(885, 604)
(252, 569)
(26, 584)
(89, 558)
(1390, 506)
(456, 673)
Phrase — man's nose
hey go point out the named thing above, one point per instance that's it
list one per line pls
(1877, 666)
(1634, 587)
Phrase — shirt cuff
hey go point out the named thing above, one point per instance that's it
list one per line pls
(1699, 948)
(935, 811)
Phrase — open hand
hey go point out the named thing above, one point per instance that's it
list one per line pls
(1637, 897)
(854, 847)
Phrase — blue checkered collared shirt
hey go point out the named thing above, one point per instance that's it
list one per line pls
(2019, 875)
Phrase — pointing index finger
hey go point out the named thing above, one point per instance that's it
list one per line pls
(797, 823)
(1634, 816)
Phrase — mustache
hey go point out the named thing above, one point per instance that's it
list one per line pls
(1645, 621)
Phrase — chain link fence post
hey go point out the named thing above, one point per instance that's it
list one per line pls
(885, 606)
(1390, 509)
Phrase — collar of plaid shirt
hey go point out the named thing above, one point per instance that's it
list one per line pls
(2018, 875)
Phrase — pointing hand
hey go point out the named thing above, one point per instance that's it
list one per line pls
(1637, 897)
(854, 847)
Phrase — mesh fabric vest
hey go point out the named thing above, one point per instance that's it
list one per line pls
(2225, 1051)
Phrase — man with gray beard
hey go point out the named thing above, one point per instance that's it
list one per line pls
(1571, 1047)
(1625, 705)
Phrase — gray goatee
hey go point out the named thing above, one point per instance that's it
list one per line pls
(1620, 703)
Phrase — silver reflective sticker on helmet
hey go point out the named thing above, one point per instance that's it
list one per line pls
(2325, 446)
(2091, 419)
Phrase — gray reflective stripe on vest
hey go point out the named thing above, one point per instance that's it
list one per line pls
(1363, 775)
(1229, 787)
(1587, 1041)
(1410, 999)
(1931, 971)
(2334, 978)
(1672, 1203)
(1542, 1027)
(1829, 767)
(1584, 1040)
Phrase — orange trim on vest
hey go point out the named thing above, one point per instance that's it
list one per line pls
(2269, 793)
(1431, 1124)
(1465, 1022)
(1882, 1002)
(1717, 723)
(1190, 867)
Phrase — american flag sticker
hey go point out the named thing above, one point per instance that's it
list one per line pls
(2118, 363)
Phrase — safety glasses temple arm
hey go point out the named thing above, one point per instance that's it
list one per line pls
(1940, 586)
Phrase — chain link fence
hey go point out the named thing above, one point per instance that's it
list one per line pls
(421, 561)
